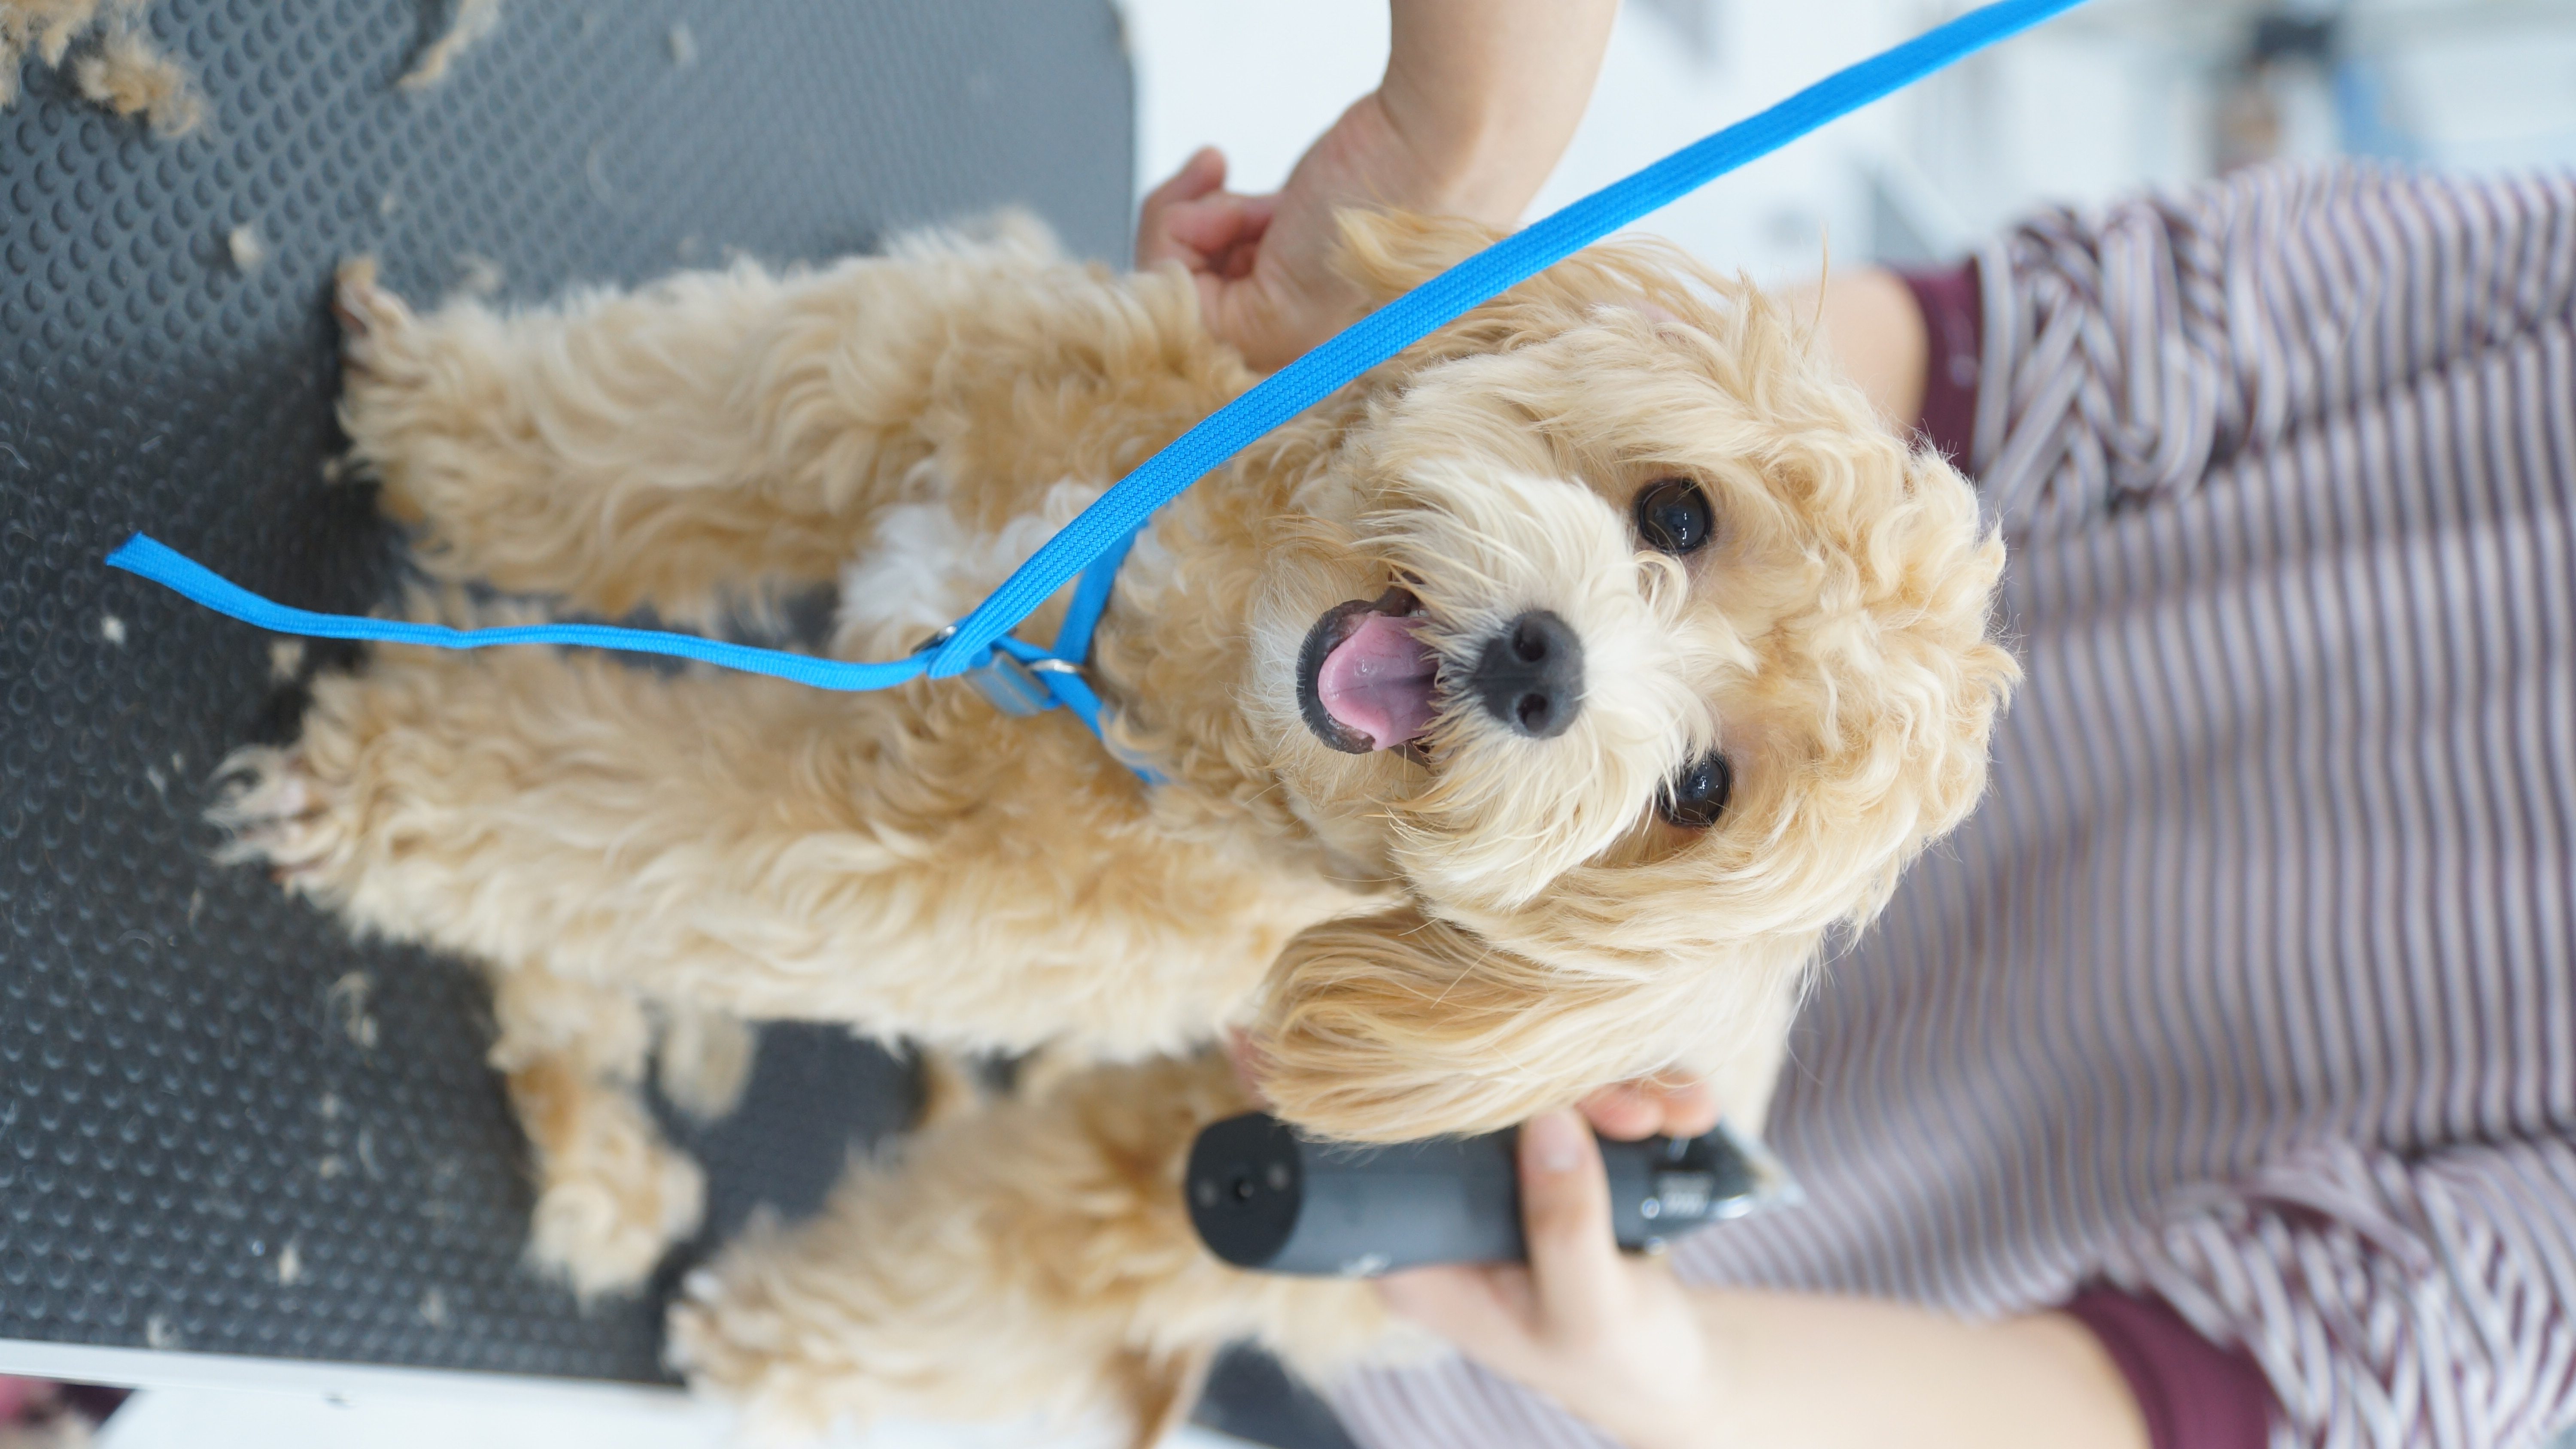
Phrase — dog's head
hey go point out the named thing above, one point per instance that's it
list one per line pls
(1619, 634)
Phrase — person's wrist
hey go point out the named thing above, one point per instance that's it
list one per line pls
(1701, 1425)
(1698, 1411)
(1682, 1400)
(1458, 161)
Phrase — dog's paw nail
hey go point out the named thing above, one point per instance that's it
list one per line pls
(368, 316)
(603, 1232)
(676, 1347)
(277, 815)
(355, 313)
(701, 1285)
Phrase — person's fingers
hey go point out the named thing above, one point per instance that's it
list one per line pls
(1210, 225)
(1565, 1214)
(1249, 1061)
(1252, 223)
(1458, 1301)
(1488, 1311)
(1204, 172)
(1621, 1113)
(1674, 1107)
(1690, 1108)
(1248, 310)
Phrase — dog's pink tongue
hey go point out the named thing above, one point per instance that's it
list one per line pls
(1378, 681)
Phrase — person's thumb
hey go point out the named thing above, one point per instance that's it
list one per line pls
(1565, 1213)
(1200, 175)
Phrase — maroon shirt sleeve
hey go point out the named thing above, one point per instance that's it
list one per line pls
(2194, 1394)
(1954, 322)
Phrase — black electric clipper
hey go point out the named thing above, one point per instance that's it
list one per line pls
(1262, 1197)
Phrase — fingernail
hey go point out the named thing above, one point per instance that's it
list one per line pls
(1554, 1141)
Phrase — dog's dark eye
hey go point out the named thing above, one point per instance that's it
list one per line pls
(1672, 514)
(1697, 796)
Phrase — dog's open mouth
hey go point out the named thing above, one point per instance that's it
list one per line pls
(1365, 679)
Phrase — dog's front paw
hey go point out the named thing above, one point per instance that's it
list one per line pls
(276, 812)
(736, 1343)
(602, 1227)
(705, 1341)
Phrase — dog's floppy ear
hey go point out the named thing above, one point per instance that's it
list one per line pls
(1389, 253)
(1402, 1025)
(1399, 1025)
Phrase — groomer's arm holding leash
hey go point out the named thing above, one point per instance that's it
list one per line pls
(1479, 100)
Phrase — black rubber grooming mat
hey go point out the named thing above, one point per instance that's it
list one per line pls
(199, 1147)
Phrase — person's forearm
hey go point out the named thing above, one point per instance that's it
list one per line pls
(1486, 94)
(1800, 1371)
(1870, 323)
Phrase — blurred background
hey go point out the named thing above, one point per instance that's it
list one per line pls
(2118, 95)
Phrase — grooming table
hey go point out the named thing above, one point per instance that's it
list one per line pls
(225, 1127)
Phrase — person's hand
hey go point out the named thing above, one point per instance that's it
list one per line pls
(1273, 294)
(1613, 1338)
(1620, 1342)
(1264, 264)
(1479, 100)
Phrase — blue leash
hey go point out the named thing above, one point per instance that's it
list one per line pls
(1023, 678)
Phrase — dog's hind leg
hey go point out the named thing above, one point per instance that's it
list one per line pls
(612, 1196)
(719, 432)
(1034, 1259)
(671, 447)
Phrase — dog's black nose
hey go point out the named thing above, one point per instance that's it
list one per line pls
(1531, 675)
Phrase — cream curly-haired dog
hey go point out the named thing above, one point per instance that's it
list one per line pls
(1529, 712)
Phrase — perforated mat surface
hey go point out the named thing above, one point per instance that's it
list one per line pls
(223, 1125)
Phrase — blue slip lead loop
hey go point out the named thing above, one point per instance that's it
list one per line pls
(1097, 540)
(1021, 679)
(149, 558)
